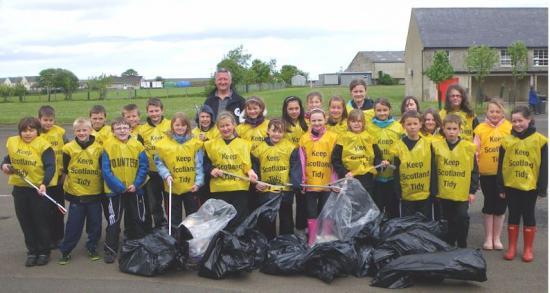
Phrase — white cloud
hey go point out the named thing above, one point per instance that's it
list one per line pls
(175, 38)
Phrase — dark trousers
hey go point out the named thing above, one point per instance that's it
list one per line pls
(493, 204)
(132, 207)
(521, 205)
(315, 201)
(367, 181)
(286, 223)
(189, 201)
(301, 217)
(456, 214)
(57, 227)
(409, 208)
(386, 199)
(154, 193)
(239, 200)
(80, 212)
(33, 213)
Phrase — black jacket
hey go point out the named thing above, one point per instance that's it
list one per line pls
(235, 104)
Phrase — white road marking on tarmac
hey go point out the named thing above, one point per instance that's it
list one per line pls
(5, 195)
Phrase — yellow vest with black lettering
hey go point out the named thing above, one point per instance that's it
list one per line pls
(274, 162)
(522, 159)
(318, 166)
(294, 133)
(27, 157)
(414, 169)
(135, 131)
(55, 137)
(253, 134)
(84, 170)
(432, 137)
(339, 128)
(211, 134)
(490, 139)
(466, 129)
(454, 169)
(103, 134)
(357, 152)
(233, 158)
(124, 159)
(152, 134)
(385, 138)
(179, 158)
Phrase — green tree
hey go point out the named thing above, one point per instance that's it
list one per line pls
(67, 81)
(289, 71)
(439, 71)
(5, 91)
(260, 72)
(518, 57)
(480, 60)
(159, 78)
(100, 84)
(20, 91)
(129, 72)
(236, 61)
(47, 80)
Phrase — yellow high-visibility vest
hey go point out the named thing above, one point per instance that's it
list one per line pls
(385, 138)
(357, 152)
(152, 134)
(211, 134)
(414, 169)
(55, 137)
(522, 159)
(84, 169)
(339, 128)
(27, 158)
(294, 133)
(274, 162)
(466, 129)
(180, 161)
(233, 158)
(454, 169)
(318, 166)
(490, 139)
(103, 134)
(255, 135)
(124, 159)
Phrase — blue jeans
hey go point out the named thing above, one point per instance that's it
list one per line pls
(78, 213)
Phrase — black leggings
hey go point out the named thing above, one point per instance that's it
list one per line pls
(521, 204)
(190, 202)
(239, 200)
(386, 199)
(493, 204)
(315, 201)
(456, 214)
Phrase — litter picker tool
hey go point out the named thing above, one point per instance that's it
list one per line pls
(20, 174)
(272, 187)
(170, 207)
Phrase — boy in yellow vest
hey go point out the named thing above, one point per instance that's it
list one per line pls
(124, 166)
(415, 172)
(457, 180)
(34, 157)
(55, 135)
(206, 124)
(130, 113)
(83, 189)
(179, 160)
(279, 163)
(151, 132)
(98, 117)
(522, 177)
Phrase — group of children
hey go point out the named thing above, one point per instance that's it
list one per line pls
(427, 163)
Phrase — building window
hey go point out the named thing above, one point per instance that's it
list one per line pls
(505, 59)
(540, 57)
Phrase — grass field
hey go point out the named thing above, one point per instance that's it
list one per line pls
(67, 111)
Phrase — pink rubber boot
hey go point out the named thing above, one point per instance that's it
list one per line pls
(311, 231)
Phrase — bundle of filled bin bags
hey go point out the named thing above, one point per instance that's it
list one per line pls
(352, 239)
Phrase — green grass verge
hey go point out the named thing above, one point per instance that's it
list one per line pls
(67, 111)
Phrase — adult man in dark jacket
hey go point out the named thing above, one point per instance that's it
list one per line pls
(224, 97)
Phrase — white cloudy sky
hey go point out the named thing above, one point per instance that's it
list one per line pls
(187, 38)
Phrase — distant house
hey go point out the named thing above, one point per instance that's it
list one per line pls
(389, 62)
(454, 30)
(343, 78)
(298, 80)
(30, 82)
(126, 82)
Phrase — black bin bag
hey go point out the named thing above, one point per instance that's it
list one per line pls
(285, 255)
(329, 260)
(413, 241)
(459, 264)
(230, 253)
(151, 255)
(394, 226)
